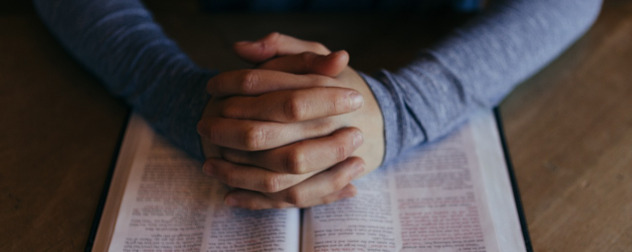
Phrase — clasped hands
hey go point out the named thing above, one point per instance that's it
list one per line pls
(295, 131)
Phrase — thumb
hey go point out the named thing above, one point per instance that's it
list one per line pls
(310, 63)
(276, 44)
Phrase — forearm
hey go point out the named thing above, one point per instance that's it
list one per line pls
(121, 44)
(475, 67)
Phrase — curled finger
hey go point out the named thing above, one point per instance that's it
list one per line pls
(302, 157)
(252, 82)
(276, 44)
(307, 62)
(252, 135)
(314, 190)
(249, 177)
(293, 105)
(258, 201)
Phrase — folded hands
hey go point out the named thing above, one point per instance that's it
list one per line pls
(295, 131)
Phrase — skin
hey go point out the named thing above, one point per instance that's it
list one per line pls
(295, 131)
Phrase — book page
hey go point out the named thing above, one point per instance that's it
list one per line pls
(366, 222)
(500, 198)
(433, 199)
(170, 205)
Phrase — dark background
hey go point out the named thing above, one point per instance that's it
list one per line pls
(569, 128)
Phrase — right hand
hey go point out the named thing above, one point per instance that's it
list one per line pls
(286, 128)
(299, 57)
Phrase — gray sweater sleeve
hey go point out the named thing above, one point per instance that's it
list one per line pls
(475, 67)
(120, 43)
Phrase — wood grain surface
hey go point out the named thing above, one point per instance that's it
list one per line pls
(569, 128)
(569, 131)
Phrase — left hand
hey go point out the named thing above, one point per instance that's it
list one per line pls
(312, 186)
(305, 58)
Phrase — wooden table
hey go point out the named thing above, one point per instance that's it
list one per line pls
(569, 128)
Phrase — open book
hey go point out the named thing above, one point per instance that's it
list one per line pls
(452, 195)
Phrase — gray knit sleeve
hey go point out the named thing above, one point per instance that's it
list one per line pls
(122, 45)
(475, 67)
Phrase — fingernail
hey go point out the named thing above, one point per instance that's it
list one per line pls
(327, 58)
(347, 193)
(358, 138)
(230, 201)
(356, 100)
(357, 170)
(338, 53)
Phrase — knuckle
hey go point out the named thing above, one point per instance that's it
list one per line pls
(273, 37)
(249, 80)
(308, 59)
(254, 138)
(295, 162)
(294, 109)
(341, 152)
(294, 196)
(338, 104)
(272, 183)
(270, 42)
(307, 56)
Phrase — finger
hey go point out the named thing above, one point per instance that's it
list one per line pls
(306, 156)
(307, 62)
(312, 190)
(259, 81)
(293, 105)
(276, 44)
(258, 135)
(257, 201)
(249, 177)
